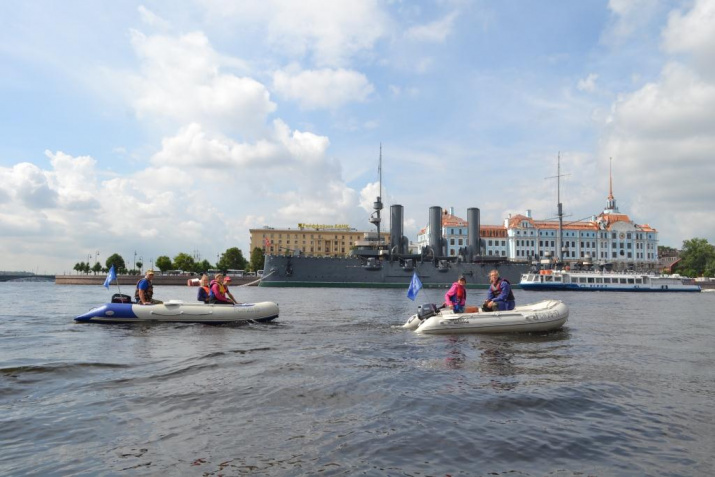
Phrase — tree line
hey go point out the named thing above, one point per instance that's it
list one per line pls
(697, 259)
(231, 259)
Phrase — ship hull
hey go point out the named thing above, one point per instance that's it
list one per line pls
(331, 272)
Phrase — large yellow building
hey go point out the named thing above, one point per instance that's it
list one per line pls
(310, 240)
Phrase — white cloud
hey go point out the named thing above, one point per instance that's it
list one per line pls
(434, 32)
(588, 84)
(29, 186)
(181, 80)
(629, 17)
(326, 32)
(323, 89)
(152, 19)
(660, 138)
(694, 33)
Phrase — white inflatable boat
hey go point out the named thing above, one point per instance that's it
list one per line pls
(176, 311)
(542, 316)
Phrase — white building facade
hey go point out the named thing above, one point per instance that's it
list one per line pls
(609, 238)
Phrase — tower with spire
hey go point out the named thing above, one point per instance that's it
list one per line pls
(611, 207)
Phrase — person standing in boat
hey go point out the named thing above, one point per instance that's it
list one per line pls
(145, 290)
(456, 296)
(217, 293)
(204, 289)
(500, 297)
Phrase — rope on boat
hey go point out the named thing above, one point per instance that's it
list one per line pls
(256, 281)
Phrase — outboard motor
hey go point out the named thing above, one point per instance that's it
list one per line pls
(426, 311)
(121, 298)
(423, 312)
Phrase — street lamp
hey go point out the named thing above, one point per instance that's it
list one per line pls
(134, 267)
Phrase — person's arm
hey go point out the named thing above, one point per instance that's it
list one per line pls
(228, 294)
(448, 296)
(142, 297)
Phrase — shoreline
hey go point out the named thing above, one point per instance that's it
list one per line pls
(133, 279)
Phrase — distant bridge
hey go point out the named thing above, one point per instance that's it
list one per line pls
(10, 276)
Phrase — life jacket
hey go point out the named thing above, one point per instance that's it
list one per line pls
(221, 290)
(496, 290)
(148, 293)
(460, 294)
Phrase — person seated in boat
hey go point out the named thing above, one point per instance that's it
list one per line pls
(145, 290)
(217, 292)
(204, 289)
(456, 296)
(500, 297)
(226, 281)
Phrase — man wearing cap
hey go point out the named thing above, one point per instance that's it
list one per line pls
(226, 281)
(456, 297)
(145, 290)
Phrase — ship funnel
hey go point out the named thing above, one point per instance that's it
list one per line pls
(396, 229)
(435, 230)
(473, 240)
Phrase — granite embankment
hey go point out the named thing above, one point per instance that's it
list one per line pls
(133, 279)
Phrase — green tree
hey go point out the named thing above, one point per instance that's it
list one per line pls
(139, 267)
(184, 261)
(97, 267)
(232, 259)
(117, 261)
(696, 257)
(77, 267)
(257, 259)
(163, 263)
(203, 266)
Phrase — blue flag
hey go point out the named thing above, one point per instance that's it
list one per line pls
(111, 276)
(415, 287)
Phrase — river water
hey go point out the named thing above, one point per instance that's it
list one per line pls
(336, 387)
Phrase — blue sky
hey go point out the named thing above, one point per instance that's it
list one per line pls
(162, 127)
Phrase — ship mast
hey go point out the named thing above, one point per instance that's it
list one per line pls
(559, 211)
(375, 218)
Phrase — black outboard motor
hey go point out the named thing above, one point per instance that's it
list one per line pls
(120, 298)
(427, 310)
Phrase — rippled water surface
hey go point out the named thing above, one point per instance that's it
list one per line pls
(336, 387)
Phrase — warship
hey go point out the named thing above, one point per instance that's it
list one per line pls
(377, 263)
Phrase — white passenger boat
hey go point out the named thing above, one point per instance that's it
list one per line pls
(176, 311)
(606, 281)
(542, 316)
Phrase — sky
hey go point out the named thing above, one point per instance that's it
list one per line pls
(159, 127)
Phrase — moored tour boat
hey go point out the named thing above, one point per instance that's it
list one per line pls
(606, 281)
(545, 315)
(176, 311)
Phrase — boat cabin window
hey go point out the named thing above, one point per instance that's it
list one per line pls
(557, 278)
(607, 280)
(639, 281)
(599, 280)
(548, 278)
(630, 281)
(623, 280)
(590, 279)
